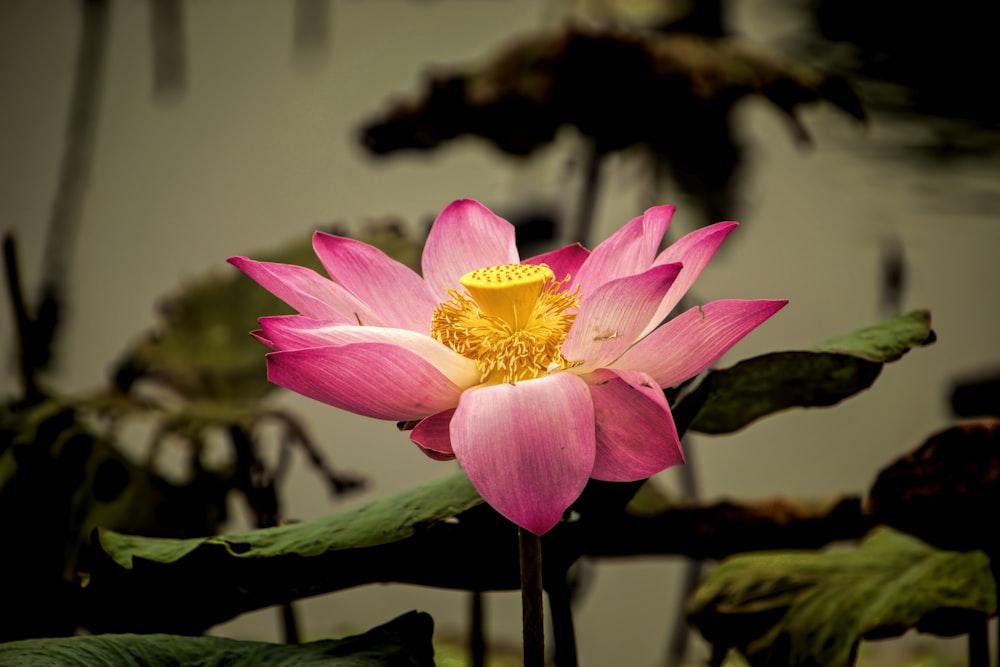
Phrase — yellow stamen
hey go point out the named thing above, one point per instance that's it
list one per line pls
(511, 321)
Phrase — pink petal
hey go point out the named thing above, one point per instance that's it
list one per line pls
(293, 332)
(628, 251)
(636, 437)
(695, 339)
(564, 261)
(305, 290)
(261, 337)
(528, 447)
(611, 317)
(433, 437)
(466, 236)
(390, 288)
(694, 251)
(372, 379)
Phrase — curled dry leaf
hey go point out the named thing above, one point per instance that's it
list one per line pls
(947, 491)
(620, 88)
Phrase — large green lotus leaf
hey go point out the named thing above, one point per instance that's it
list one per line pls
(402, 642)
(380, 522)
(136, 583)
(731, 398)
(804, 608)
(202, 347)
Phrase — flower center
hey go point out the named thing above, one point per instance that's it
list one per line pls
(511, 321)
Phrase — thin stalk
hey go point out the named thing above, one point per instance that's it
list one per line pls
(477, 638)
(979, 644)
(74, 172)
(311, 26)
(677, 646)
(532, 610)
(587, 206)
(563, 632)
(166, 32)
(22, 321)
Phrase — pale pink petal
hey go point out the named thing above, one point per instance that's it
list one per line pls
(390, 288)
(694, 251)
(466, 236)
(292, 332)
(432, 436)
(628, 251)
(306, 291)
(528, 447)
(695, 339)
(377, 380)
(611, 317)
(564, 262)
(636, 436)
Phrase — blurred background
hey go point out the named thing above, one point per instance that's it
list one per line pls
(211, 128)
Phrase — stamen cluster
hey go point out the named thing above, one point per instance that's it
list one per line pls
(511, 320)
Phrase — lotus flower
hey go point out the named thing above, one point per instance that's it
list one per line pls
(537, 375)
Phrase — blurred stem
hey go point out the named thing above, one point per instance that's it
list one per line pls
(74, 171)
(477, 638)
(532, 611)
(22, 322)
(677, 645)
(258, 488)
(166, 31)
(312, 19)
(979, 644)
(588, 194)
(563, 633)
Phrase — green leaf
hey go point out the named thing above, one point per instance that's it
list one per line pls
(380, 522)
(801, 608)
(731, 398)
(886, 341)
(402, 538)
(402, 642)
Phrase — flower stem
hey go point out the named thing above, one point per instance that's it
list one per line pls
(561, 612)
(979, 645)
(532, 611)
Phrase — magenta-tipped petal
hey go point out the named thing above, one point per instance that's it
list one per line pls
(693, 250)
(695, 339)
(391, 289)
(466, 236)
(611, 317)
(261, 337)
(565, 261)
(377, 380)
(432, 435)
(293, 332)
(527, 447)
(306, 291)
(628, 251)
(636, 436)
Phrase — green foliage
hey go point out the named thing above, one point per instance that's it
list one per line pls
(402, 642)
(393, 539)
(731, 398)
(885, 341)
(801, 608)
(380, 522)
